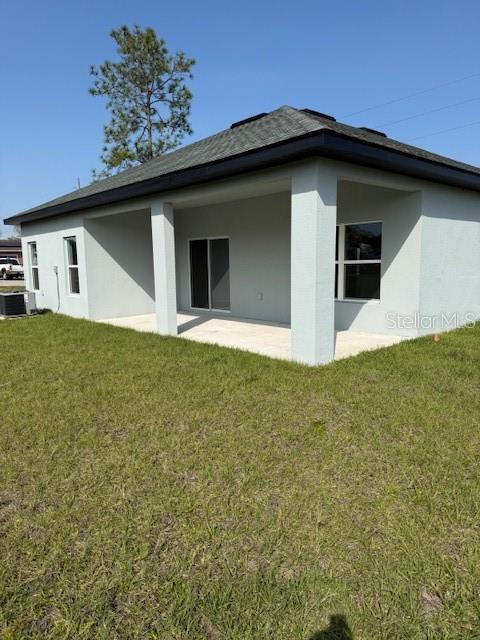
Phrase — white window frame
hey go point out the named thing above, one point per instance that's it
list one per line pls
(72, 266)
(33, 265)
(210, 308)
(342, 263)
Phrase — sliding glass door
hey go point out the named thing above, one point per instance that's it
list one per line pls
(219, 274)
(210, 274)
(200, 297)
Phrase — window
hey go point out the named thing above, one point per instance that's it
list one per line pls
(32, 248)
(72, 265)
(358, 258)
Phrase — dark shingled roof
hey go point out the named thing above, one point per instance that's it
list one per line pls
(272, 129)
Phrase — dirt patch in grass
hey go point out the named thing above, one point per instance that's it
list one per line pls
(431, 602)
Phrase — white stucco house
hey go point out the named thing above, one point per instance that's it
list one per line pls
(286, 217)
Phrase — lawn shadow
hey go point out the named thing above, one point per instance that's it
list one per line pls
(338, 629)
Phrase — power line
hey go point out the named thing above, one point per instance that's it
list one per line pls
(411, 95)
(425, 113)
(436, 133)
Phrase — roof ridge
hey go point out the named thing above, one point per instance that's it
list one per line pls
(299, 117)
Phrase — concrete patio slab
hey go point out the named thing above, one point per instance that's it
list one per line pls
(265, 338)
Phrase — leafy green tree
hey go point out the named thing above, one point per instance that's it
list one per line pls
(147, 96)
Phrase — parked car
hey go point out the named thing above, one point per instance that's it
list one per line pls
(10, 268)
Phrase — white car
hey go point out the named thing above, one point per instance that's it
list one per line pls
(10, 268)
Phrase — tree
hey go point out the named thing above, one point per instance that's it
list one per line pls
(13, 234)
(147, 96)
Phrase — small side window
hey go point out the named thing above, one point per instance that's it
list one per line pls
(72, 265)
(32, 249)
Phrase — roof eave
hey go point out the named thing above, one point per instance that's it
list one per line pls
(322, 143)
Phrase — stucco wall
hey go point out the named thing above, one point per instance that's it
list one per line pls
(259, 232)
(430, 261)
(399, 213)
(49, 235)
(120, 265)
(450, 258)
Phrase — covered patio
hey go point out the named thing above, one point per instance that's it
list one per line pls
(260, 263)
(265, 338)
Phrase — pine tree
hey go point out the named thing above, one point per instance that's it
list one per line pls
(147, 96)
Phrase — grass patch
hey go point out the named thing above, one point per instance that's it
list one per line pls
(11, 288)
(162, 489)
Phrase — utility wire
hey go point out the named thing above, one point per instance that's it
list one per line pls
(411, 95)
(436, 133)
(425, 113)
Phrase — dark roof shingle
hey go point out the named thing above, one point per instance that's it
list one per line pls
(283, 124)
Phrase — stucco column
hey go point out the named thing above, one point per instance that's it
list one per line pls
(314, 217)
(163, 242)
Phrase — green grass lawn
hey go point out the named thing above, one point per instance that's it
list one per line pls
(11, 288)
(157, 488)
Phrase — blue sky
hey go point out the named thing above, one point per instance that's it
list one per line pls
(337, 57)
